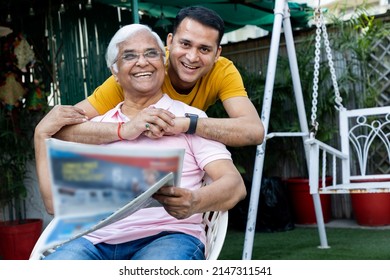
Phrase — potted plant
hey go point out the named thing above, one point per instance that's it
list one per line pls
(20, 109)
(15, 153)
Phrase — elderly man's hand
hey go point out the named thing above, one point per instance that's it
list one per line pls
(178, 202)
(151, 121)
(58, 117)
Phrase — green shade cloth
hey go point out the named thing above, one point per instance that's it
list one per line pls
(235, 13)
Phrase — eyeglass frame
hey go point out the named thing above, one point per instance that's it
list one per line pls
(138, 55)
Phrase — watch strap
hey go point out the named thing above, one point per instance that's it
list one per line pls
(193, 123)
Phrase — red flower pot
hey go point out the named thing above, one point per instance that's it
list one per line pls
(18, 239)
(302, 201)
(371, 209)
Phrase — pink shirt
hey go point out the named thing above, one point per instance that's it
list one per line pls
(198, 153)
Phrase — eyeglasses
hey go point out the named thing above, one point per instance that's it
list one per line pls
(149, 55)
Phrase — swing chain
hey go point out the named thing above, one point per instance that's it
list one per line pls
(317, 53)
(338, 98)
(321, 27)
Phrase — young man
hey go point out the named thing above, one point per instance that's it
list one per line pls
(196, 75)
(135, 56)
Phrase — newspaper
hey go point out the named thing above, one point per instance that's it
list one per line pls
(94, 186)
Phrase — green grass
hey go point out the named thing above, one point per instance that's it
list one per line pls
(302, 244)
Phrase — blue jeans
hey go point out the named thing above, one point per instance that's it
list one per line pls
(163, 246)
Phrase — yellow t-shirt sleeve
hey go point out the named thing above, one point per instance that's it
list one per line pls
(231, 83)
(106, 96)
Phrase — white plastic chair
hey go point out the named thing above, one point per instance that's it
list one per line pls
(216, 224)
(36, 254)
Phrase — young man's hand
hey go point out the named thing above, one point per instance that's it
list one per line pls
(58, 117)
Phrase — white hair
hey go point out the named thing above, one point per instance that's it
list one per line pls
(122, 35)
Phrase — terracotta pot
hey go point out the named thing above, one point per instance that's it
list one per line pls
(18, 239)
(302, 201)
(371, 209)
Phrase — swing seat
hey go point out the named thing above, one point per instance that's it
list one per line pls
(364, 159)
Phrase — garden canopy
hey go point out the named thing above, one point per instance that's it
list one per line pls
(235, 13)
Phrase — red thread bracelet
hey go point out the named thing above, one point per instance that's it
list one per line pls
(119, 130)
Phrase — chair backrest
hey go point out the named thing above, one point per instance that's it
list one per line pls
(216, 224)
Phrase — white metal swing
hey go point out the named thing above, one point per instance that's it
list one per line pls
(363, 133)
(361, 130)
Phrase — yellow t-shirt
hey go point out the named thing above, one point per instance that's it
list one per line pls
(222, 82)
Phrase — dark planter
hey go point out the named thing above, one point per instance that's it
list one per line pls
(371, 209)
(302, 201)
(18, 239)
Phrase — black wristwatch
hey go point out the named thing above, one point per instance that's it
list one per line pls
(193, 123)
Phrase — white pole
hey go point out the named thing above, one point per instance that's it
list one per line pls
(260, 152)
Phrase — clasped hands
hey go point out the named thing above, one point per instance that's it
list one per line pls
(154, 123)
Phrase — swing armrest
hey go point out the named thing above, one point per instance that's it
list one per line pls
(327, 148)
(318, 169)
(286, 134)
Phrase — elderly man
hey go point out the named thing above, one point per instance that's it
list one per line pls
(136, 57)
